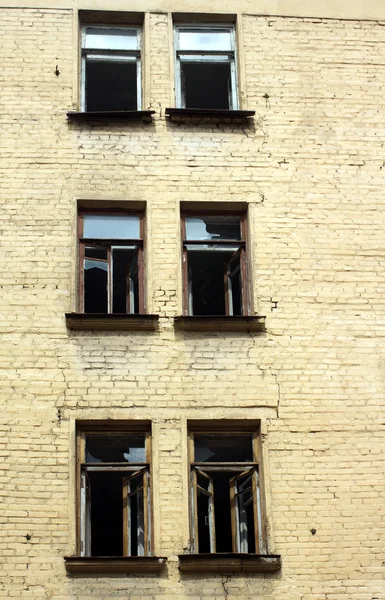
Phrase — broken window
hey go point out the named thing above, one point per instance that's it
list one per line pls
(114, 493)
(226, 500)
(111, 78)
(205, 67)
(214, 264)
(111, 263)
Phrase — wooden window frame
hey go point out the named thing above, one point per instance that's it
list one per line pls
(83, 542)
(204, 56)
(107, 243)
(240, 469)
(243, 258)
(131, 56)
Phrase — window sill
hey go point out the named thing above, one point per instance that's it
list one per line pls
(213, 323)
(108, 115)
(113, 565)
(209, 114)
(229, 563)
(112, 322)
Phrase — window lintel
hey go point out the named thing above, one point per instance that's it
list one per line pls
(104, 18)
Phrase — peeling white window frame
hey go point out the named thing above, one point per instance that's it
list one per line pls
(111, 56)
(206, 56)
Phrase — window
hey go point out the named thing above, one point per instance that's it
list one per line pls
(205, 67)
(226, 500)
(114, 492)
(111, 77)
(111, 262)
(214, 264)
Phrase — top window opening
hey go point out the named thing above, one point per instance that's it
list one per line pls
(214, 265)
(111, 70)
(205, 67)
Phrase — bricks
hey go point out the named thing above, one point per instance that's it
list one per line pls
(311, 168)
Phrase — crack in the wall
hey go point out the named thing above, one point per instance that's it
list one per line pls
(225, 580)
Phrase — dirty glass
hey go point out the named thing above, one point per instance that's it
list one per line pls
(111, 38)
(205, 39)
(115, 227)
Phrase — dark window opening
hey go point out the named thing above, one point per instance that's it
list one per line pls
(125, 281)
(95, 281)
(106, 514)
(111, 86)
(208, 284)
(206, 84)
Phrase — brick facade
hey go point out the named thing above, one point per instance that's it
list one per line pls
(310, 168)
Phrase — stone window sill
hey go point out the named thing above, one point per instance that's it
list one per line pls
(114, 565)
(209, 114)
(111, 322)
(229, 563)
(108, 115)
(222, 323)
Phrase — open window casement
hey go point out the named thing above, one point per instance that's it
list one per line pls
(85, 515)
(205, 67)
(226, 500)
(246, 512)
(203, 512)
(111, 268)
(111, 68)
(235, 273)
(136, 510)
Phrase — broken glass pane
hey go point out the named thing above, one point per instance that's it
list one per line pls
(205, 39)
(223, 448)
(111, 38)
(115, 448)
(113, 227)
(213, 227)
(95, 252)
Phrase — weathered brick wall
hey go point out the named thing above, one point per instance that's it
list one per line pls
(311, 169)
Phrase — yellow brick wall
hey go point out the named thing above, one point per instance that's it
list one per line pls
(310, 167)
